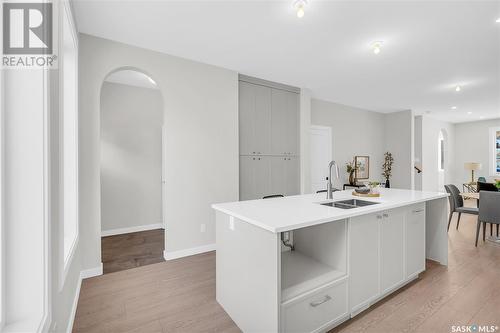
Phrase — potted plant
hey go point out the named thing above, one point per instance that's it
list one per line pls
(498, 184)
(351, 170)
(387, 167)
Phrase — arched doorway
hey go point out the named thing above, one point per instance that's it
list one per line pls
(131, 164)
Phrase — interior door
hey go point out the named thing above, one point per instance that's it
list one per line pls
(392, 249)
(320, 155)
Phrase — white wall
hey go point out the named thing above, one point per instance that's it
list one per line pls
(399, 131)
(418, 152)
(201, 119)
(131, 121)
(430, 139)
(354, 132)
(472, 145)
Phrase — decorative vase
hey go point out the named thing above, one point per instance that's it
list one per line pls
(351, 178)
(387, 183)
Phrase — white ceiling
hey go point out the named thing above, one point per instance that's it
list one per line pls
(429, 47)
(131, 78)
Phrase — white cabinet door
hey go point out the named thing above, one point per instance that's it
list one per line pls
(292, 170)
(415, 240)
(284, 122)
(364, 261)
(392, 249)
(278, 176)
(292, 124)
(254, 119)
(285, 178)
(262, 176)
(254, 177)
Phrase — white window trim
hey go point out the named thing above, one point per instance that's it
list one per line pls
(65, 262)
(492, 154)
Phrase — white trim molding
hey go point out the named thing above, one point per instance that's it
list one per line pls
(188, 252)
(84, 274)
(91, 272)
(128, 230)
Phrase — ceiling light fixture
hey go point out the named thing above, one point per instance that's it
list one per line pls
(482, 117)
(497, 20)
(299, 6)
(469, 112)
(151, 80)
(453, 107)
(458, 88)
(377, 46)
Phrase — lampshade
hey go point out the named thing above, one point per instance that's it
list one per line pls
(473, 166)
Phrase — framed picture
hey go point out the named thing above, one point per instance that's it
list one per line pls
(363, 163)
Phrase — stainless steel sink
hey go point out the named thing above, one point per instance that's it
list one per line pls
(349, 204)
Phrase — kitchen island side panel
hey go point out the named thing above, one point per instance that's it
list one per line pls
(436, 234)
(248, 278)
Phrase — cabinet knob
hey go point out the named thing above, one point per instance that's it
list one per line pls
(253, 152)
(386, 215)
(379, 217)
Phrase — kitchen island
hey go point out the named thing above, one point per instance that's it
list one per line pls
(339, 259)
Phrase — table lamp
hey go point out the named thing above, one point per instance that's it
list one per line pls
(472, 166)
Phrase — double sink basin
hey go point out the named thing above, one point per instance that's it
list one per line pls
(349, 204)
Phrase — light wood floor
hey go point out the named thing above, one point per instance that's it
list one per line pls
(179, 296)
(135, 249)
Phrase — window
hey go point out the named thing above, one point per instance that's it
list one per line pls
(495, 151)
(69, 135)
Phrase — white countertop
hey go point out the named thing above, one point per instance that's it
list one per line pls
(289, 213)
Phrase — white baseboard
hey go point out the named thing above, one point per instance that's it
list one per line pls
(85, 274)
(120, 231)
(188, 252)
(88, 273)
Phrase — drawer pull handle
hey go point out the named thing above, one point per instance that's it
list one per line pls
(418, 210)
(318, 303)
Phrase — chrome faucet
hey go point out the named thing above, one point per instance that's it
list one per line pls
(329, 185)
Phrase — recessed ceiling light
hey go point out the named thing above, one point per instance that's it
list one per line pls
(377, 46)
(453, 107)
(458, 88)
(299, 6)
(498, 20)
(469, 112)
(481, 117)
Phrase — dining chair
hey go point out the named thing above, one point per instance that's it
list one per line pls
(489, 211)
(457, 204)
(273, 196)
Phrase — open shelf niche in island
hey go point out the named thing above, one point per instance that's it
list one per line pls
(319, 258)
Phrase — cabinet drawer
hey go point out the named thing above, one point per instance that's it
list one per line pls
(313, 311)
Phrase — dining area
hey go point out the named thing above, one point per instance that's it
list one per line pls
(482, 200)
